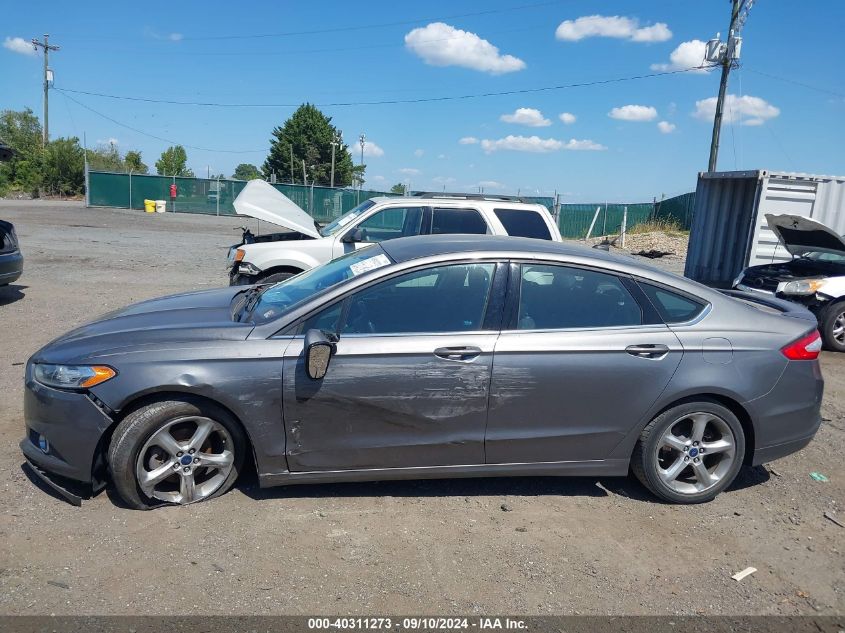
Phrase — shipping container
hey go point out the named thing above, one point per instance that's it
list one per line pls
(729, 230)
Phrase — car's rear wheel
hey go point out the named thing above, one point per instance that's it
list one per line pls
(832, 325)
(175, 452)
(690, 453)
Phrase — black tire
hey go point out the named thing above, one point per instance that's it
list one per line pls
(275, 278)
(828, 321)
(137, 427)
(645, 464)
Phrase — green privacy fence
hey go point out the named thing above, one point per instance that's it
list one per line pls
(574, 219)
(210, 196)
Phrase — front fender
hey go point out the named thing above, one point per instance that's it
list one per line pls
(267, 256)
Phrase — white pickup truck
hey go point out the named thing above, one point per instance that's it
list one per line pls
(273, 257)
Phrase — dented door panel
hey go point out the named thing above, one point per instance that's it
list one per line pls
(387, 402)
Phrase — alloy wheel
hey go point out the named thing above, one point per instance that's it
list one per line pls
(838, 329)
(185, 461)
(695, 453)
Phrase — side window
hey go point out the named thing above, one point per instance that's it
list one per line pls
(443, 299)
(391, 223)
(523, 223)
(559, 297)
(465, 221)
(672, 307)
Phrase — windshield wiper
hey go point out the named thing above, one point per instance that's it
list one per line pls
(251, 298)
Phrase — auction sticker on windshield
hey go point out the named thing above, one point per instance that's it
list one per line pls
(369, 264)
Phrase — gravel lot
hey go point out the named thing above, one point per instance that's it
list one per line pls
(527, 546)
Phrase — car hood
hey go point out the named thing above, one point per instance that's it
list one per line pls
(263, 201)
(168, 321)
(802, 235)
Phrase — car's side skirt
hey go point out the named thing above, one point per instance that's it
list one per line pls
(593, 468)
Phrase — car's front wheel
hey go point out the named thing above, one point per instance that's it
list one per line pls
(177, 452)
(832, 326)
(690, 453)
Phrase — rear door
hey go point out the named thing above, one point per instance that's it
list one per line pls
(578, 364)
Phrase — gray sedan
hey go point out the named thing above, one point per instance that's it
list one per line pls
(426, 357)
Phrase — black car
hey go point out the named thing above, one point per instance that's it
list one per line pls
(11, 260)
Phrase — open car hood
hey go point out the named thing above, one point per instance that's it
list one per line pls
(263, 201)
(802, 235)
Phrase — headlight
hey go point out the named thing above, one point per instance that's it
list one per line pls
(801, 287)
(73, 376)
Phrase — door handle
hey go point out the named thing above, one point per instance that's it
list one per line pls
(648, 351)
(461, 353)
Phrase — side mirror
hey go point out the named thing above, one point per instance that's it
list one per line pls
(355, 235)
(319, 347)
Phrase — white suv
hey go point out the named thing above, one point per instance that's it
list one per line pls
(277, 256)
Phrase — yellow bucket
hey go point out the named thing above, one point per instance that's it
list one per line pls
(150, 206)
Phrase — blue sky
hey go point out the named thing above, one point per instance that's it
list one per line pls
(624, 141)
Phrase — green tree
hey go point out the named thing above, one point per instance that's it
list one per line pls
(64, 167)
(246, 171)
(310, 133)
(105, 157)
(132, 162)
(173, 162)
(21, 131)
(358, 172)
(398, 188)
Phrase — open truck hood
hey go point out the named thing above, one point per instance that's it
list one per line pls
(263, 201)
(802, 235)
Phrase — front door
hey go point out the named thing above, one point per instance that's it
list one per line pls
(386, 224)
(578, 368)
(409, 381)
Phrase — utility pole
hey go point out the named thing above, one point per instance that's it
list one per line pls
(335, 143)
(291, 163)
(45, 132)
(727, 55)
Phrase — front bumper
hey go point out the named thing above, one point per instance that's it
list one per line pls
(11, 267)
(72, 425)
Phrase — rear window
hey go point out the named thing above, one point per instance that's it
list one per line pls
(448, 221)
(672, 307)
(523, 223)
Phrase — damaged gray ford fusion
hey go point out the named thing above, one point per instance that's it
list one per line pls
(424, 357)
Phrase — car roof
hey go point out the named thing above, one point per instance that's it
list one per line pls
(471, 201)
(406, 248)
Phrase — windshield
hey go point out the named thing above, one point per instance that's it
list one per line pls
(346, 218)
(281, 297)
(818, 256)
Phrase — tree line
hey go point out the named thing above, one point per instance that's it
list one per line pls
(300, 153)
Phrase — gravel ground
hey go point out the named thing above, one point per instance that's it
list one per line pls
(527, 546)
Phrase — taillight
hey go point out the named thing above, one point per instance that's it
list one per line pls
(805, 348)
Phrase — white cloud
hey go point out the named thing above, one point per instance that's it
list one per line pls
(614, 26)
(409, 171)
(567, 118)
(19, 45)
(440, 44)
(686, 55)
(108, 141)
(746, 110)
(530, 117)
(468, 140)
(443, 180)
(665, 127)
(419, 152)
(442, 156)
(633, 113)
(174, 37)
(538, 145)
(371, 150)
(490, 184)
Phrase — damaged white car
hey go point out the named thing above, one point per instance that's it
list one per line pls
(273, 257)
(815, 277)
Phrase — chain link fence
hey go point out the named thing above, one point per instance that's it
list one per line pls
(324, 204)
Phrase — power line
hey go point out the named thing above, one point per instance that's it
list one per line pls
(160, 138)
(481, 95)
(795, 82)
